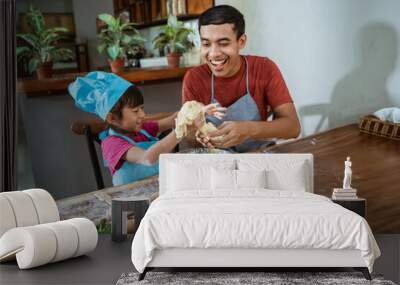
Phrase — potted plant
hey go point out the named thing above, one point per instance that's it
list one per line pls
(118, 40)
(41, 46)
(175, 37)
(135, 56)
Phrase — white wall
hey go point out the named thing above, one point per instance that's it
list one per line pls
(340, 59)
(85, 13)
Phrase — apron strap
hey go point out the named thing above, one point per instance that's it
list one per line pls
(247, 75)
(111, 132)
(212, 89)
(143, 132)
(147, 135)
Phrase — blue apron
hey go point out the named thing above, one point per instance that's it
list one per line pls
(129, 171)
(244, 109)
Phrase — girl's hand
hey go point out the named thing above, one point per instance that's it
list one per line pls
(199, 121)
(203, 140)
(215, 110)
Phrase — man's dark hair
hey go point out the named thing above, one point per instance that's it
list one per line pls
(132, 98)
(223, 14)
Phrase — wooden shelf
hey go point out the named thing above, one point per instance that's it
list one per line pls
(164, 21)
(148, 13)
(59, 83)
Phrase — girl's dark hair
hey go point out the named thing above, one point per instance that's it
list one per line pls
(223, 14)
(132, 98)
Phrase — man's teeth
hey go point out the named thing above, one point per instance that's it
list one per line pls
(218, 62)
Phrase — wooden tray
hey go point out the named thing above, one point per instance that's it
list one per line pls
(372, 125)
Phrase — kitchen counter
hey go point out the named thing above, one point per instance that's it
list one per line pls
(60, 82)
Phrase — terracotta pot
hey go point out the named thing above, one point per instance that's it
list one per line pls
(117, 65)
(173, 59)
(45, 70)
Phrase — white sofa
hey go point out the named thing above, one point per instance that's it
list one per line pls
(203, 198)
(31, 231)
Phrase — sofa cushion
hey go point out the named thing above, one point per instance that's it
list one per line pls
(26, 208)
(7, 215)
(40, 244)
(23, 208)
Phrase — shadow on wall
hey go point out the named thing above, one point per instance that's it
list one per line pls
(363, 90)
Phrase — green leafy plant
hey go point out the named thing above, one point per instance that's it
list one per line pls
(42, 44)
(118, 39)
(103, 227)
(175, 37)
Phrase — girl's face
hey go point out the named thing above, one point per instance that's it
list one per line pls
(132, 119)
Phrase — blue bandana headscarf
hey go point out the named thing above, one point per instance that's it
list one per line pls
(98, 92)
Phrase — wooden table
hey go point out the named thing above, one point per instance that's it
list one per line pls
(376, 170)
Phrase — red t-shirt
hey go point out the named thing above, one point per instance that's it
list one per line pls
(114, 147)
(267, 86)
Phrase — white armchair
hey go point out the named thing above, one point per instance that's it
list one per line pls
(31, 230)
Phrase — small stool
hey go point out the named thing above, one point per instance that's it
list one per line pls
(120, 209)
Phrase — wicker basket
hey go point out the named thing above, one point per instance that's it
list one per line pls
(374, 126)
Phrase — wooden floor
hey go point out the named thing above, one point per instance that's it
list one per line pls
(376, 170)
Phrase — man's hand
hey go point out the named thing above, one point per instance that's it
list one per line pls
(233, 133)
(211, 110)
(215, 110)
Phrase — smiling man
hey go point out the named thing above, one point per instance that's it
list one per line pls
(251, 87)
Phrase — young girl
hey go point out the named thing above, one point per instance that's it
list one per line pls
(130, 145)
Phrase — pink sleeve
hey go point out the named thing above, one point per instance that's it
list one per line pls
(114, 148)
(151, 127)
